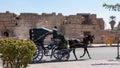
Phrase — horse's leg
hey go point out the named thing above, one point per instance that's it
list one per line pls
(74, 53)
(83, 53)
(88, 53)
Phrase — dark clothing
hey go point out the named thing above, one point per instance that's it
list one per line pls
(55, 33)
(53, 41)
(59, 41)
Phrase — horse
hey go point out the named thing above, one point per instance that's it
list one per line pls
(84, 44)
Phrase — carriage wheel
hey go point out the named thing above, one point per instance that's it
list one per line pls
(63, 55)
(55, 53)
(38, 55)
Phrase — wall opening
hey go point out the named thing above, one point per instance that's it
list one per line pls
(6, 34)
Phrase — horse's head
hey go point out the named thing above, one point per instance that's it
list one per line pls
(90, 38)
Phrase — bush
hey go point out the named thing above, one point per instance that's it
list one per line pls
(16, 53)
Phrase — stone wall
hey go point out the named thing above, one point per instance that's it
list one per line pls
(72, 26)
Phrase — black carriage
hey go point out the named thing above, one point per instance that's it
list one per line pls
(59, 51)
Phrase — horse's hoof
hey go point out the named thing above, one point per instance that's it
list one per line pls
(76, 59)
(81, 56)
(90, 58)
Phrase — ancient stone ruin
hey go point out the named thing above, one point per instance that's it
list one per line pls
(72, 26)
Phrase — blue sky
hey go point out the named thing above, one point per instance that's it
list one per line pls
(66, 7)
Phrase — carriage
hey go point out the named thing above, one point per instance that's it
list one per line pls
(58, 51)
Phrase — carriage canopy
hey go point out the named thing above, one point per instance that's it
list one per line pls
(35, 33)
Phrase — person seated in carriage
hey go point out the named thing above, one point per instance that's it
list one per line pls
(58, 39)
(54, 39)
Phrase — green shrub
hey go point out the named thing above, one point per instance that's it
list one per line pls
(16, 53)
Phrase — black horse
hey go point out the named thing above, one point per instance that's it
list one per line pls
(84, 44)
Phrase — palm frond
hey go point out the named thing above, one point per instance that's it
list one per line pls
(115, 7)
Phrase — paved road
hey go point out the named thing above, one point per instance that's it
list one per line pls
(79, 64)
(96, 53)
(103, 52)
(101, 56)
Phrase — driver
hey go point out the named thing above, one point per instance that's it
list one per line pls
(54, 40)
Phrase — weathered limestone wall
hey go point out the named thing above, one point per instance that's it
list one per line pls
(7, 23)
(72, 26)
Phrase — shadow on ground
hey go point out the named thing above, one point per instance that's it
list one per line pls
(57, 61)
